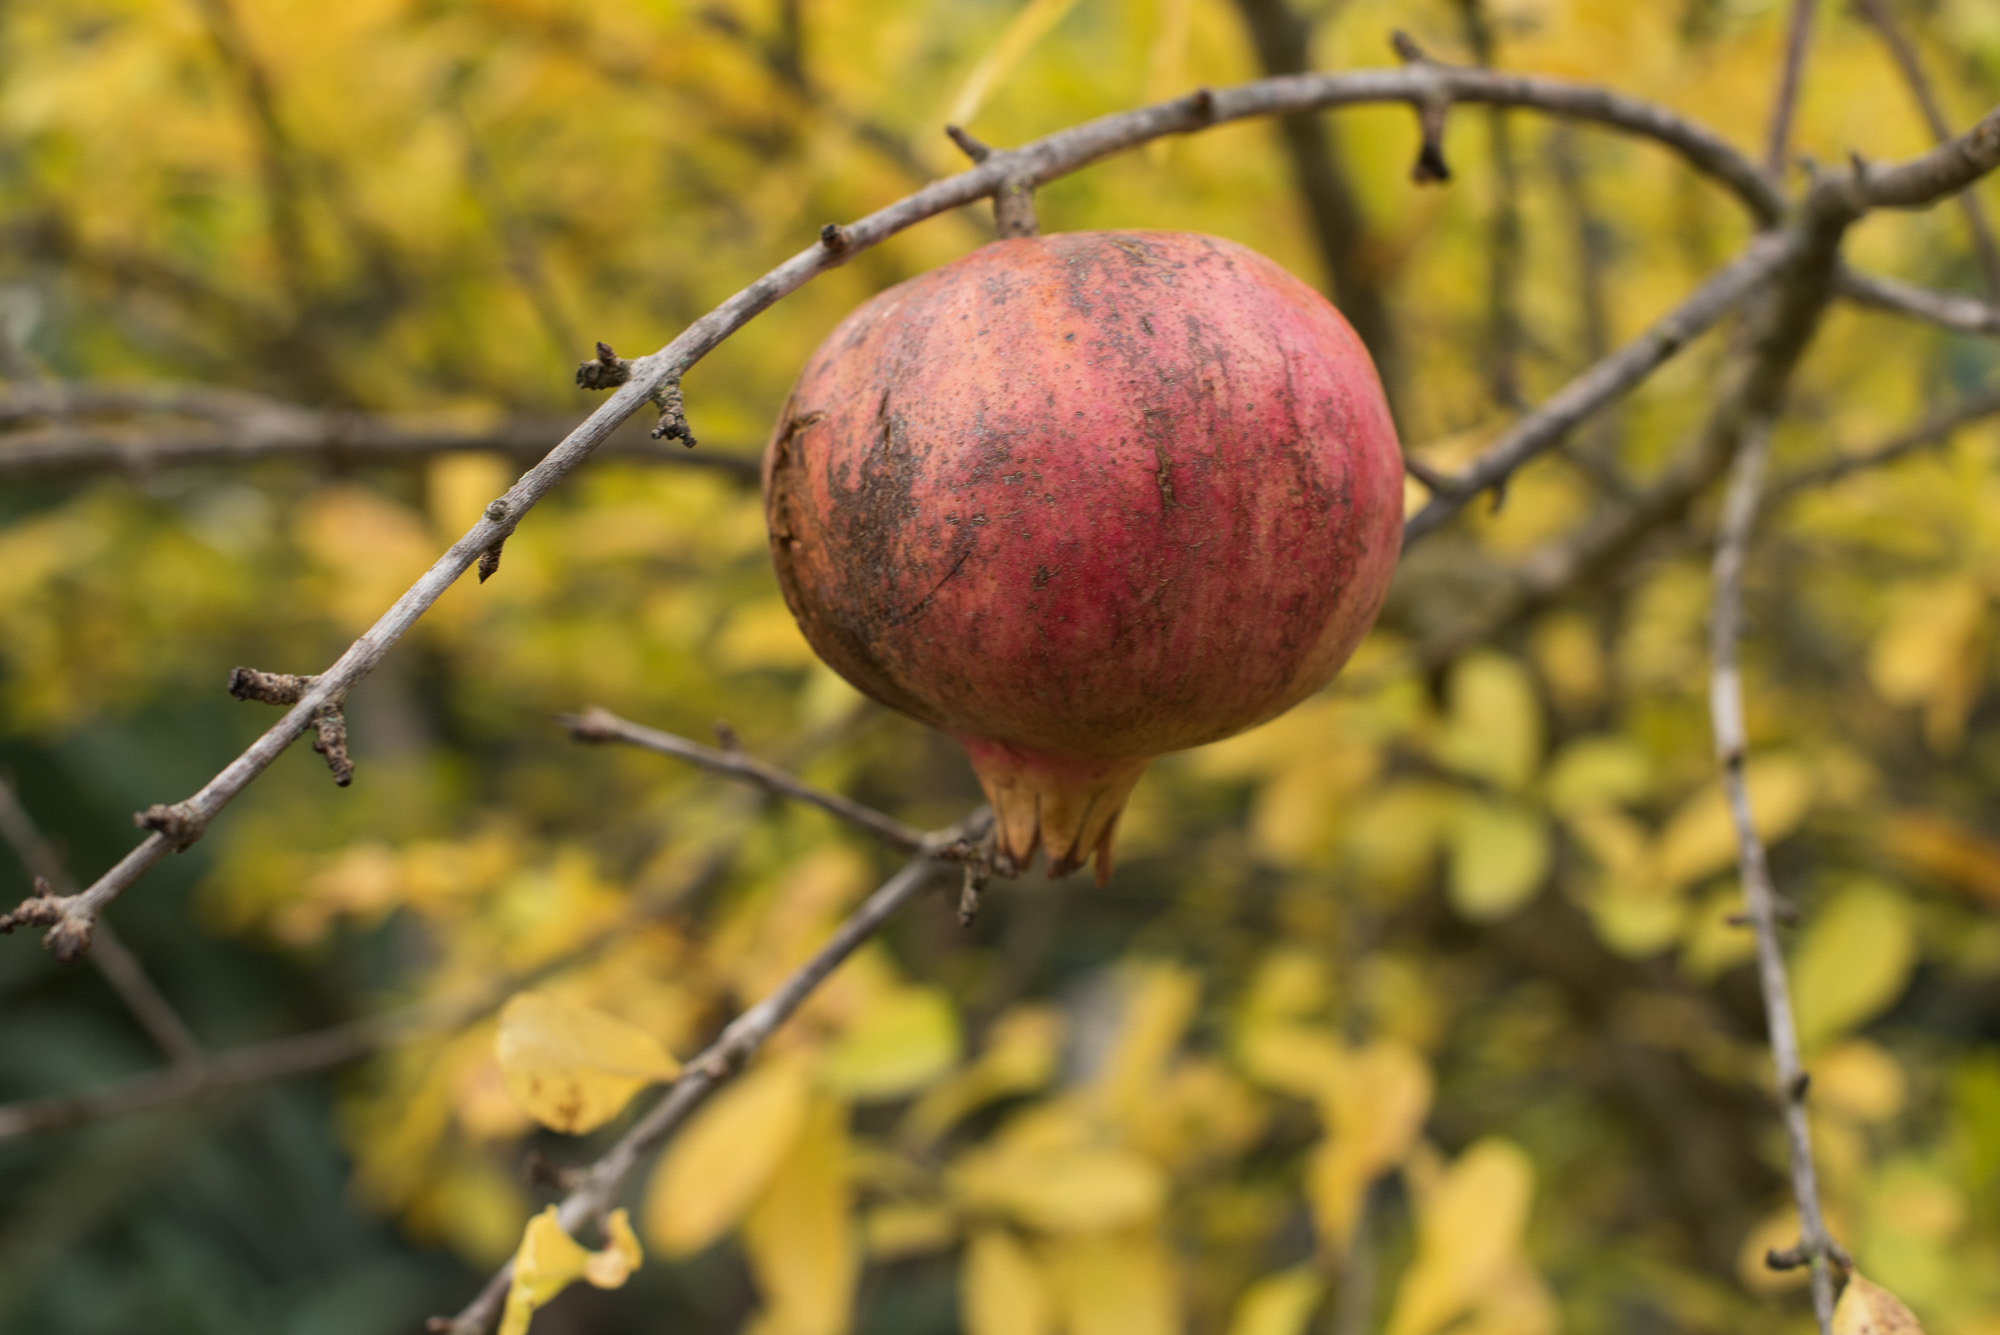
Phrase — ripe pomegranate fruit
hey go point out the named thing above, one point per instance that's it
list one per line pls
(1083, 499)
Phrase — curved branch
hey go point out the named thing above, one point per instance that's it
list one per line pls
(601, 725)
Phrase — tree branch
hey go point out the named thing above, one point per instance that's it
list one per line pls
(1877, 13)
(1949, 310)
(1935, 431)
(1607, 380)
(1759, 895)
(650, 378)
(716, 1063)
(601, 725)
(1798, 39)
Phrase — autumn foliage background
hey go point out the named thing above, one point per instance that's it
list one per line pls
(1418, 1004)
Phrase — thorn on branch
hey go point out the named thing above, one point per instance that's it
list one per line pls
(271, 688)
(538, 1170)
(69, 934)
(1788, 1258)
(967, 145)
(1202, 103)
(330, 740)
(606, 371)
(1432, 113)
(489, 560)
(180, 823)
(673, 414)
(834, 238)
(1800, 1084)
(726, 737)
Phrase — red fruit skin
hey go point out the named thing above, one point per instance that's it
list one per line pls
(1083, 499)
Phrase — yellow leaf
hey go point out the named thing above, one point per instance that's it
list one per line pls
(1853, 961)
(904, 1039)
(1495, 727)
(1565, 647)
(1859, 1081)
(1001, 1290)
(572, 1068)
(1156, 1003)
(1700, 840)
(1499, 857)
(1292, 1058)
(1372, 1112)
(1279, 1304)
(1061, 1189)
(1930, 654)
(1866, 1308)
(1942, 848)
(1290, 982)
(894, 1230)
(1116, 1284)
(1029, 25)
(1599, 772)
(725, 1157)
(1021, 1056)
(1469, 1233)
(550, 1260)
(800, 1237)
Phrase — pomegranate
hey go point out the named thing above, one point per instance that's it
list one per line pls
(1083, 499)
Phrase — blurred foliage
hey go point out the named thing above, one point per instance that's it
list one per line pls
(1414, 1010)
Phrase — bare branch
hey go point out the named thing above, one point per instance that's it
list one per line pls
(1608, 380)
(601, 725)
(1936, 431)
(1920, 182)
(716, 1063)
(119, 966)
(1759, 895)
(1503, 237)
(1950, 310)
(1798, 39)
(1877, 13)
(1032, 165)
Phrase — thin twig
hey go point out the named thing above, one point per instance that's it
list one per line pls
(1607, 380)
(1503, 235)
(1798, 38)
(1419, 84)
(1759, 895)
(1933, 432)
(601, 725)
(1949, 310)
(716, 1063)
(114, 960)
(1877, 13)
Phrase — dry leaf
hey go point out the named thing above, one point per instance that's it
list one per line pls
(550, 1260)
(573, 1068)
(1866, 1308)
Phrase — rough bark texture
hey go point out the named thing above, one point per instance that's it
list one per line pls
(1084, 499)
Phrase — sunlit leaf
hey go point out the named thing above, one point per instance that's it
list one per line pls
(1499, 858)
(550, 1260)
(573, 1068)
(903, 1040)
(1373, 1112)
(1495, 727)
(800, 1237)
(724, 1158)
(1928, 654)
(1020, 1056)
(1469, 1231)
(1859, 1080)
(1061, 1190)
(1279, 1304)
(1599, 772)
(1002, 1290)
(1852, 962)
(1120, 1283)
